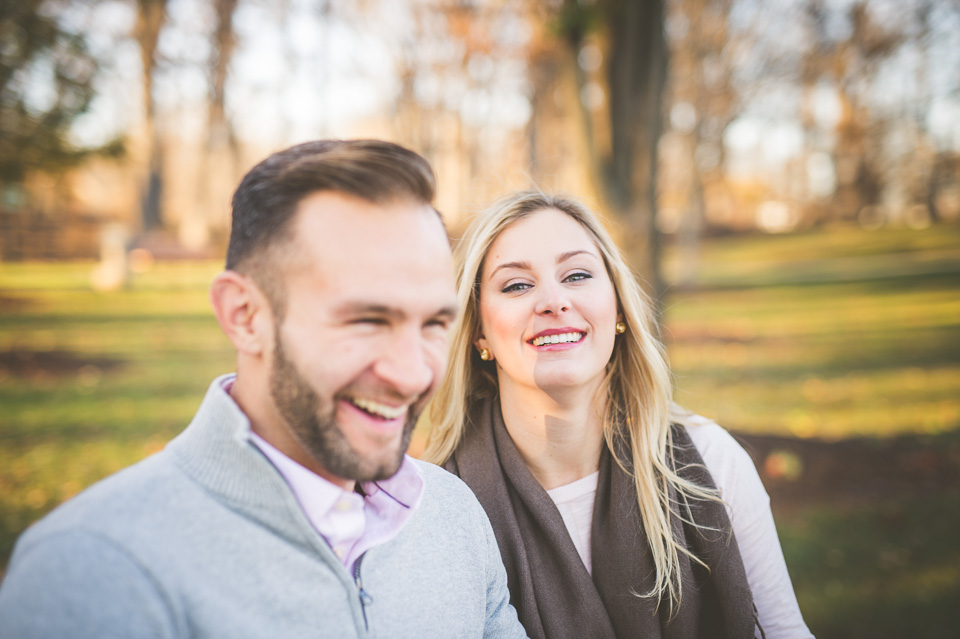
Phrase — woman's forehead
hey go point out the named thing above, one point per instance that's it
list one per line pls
(547, 234)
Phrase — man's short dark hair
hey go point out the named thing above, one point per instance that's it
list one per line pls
(267, 198)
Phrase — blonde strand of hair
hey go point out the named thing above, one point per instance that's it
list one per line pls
(637, 388)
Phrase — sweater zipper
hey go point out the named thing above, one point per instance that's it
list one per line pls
(365, 598)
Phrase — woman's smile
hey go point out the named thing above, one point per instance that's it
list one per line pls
(547, 306)
(556, 339)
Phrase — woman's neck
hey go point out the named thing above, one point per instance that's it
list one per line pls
(559, 436)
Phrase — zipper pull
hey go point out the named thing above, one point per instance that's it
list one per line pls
(365, 598)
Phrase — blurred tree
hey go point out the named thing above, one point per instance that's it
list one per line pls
(454, 63)
(151, 17)
(46, 81)
(622, 144)
(852, 63)
(220, 130)
(701, 102)
(220, 153)
(581, 56)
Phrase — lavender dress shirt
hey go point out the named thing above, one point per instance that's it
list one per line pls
(350, 522)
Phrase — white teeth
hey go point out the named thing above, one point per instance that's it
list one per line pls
(376, 408)
(562, 338)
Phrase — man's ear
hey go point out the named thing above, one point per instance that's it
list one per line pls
(243, 312)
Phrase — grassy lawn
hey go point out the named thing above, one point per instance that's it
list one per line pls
(851, 337)
(839, 335)
(817, 335)
(90, 382)
(890, 568)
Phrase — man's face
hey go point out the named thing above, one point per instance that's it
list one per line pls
(363, 339)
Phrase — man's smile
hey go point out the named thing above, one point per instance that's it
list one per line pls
(378, 409)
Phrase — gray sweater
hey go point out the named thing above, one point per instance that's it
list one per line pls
(205, 539)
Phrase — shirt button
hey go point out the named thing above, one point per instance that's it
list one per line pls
(343, 505)
(338, 552)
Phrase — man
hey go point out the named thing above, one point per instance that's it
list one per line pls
(288, 508)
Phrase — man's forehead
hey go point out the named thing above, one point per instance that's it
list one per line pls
(393, 255)
(336, 224)
(337, 207)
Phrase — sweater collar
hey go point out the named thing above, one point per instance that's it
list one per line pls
(216, 452)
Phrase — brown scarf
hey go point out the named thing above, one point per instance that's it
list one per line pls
(550, 587)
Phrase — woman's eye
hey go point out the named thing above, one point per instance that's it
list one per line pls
(515, 287)
(578, 276)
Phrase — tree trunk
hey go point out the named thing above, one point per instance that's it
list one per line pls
(219, 161)
(151, 16)
(636, 76)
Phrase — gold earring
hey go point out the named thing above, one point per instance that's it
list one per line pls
(621, 328)
(484, 354)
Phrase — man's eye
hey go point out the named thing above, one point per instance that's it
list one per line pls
(515, 287)
(438, 323)
(374, 321)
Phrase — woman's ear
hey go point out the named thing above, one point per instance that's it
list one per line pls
(479, 341)
(242, 311)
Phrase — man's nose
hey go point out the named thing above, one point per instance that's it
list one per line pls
(405, 364)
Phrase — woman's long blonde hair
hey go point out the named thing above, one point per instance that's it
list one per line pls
(636, 390)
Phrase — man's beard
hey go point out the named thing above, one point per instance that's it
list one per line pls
(314, 426)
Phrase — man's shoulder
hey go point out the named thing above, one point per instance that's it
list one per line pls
(440, 481)
(111, 508)
(444, 492)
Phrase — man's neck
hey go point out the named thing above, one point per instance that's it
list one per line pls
(265, 421)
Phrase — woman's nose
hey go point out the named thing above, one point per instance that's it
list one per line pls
(552, 300)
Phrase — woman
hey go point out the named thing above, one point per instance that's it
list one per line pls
(557, 412)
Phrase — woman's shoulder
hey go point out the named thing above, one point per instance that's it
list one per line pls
(707, 435)
(728, 462)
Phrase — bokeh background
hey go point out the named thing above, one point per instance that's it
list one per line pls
(784, 175)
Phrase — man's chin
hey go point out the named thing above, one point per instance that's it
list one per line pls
(371, 463)
(376, 473)
(382, 466)
(366, 454)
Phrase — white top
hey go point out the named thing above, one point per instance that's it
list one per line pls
(575, 503)
(748, 506)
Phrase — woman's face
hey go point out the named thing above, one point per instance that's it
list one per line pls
(548, 309)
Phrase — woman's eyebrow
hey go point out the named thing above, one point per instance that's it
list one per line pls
(519, 265)
(567, 255)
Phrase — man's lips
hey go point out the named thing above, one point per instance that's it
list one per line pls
(377, 409)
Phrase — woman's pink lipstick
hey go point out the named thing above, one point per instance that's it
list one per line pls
(557, 339)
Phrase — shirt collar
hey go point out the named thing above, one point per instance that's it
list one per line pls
(348, 519)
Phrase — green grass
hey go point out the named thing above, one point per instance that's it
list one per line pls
(139, 361)
(832, 333)
(819, 356)
(887, 569)
(835, 334)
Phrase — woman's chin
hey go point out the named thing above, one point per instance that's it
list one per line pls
(563, 381)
